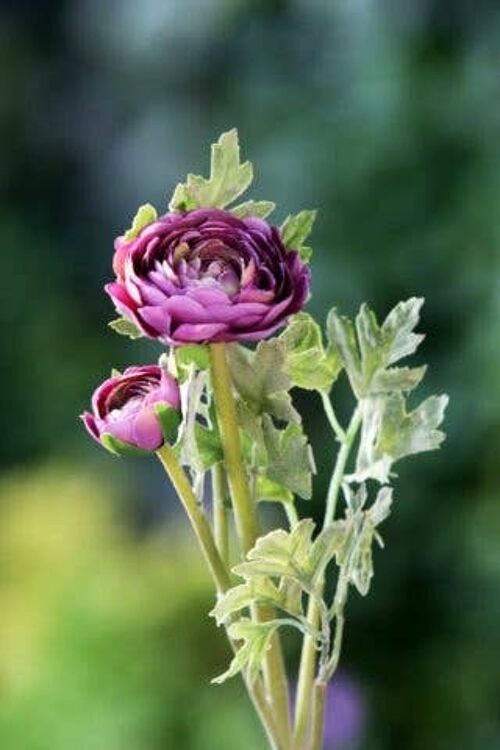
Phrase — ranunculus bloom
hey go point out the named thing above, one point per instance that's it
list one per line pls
(205, 275)
(133, 409)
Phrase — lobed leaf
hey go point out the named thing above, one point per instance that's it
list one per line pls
(229, 178)
(290, 460)
(306, 361)
(261, 381)
(296, 229)
(390, 433)
(367, 350)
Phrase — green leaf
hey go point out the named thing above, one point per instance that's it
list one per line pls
(258, 590)
(256, 637)
(261, 209)
(170, 420)
(328, 544)
(125, 327)
(290, 460)
(296, 229)
(209, 446)
(390, 433)
(307, 363)
(357, 552)
(281, 554)
(119, 448)
(260, 380)
(228, 178)
(145, 215)
(367, 350)
(266, 489)
(188, 355)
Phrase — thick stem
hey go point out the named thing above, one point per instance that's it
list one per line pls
(308, 656)
(221, 533)
(219, 574)
(247, 525)
(318, 715)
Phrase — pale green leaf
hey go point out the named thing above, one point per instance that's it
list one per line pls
(327, 545)
(249, 657)
(307, 363)
(260, 380)
(266, 489)
(290, 461)
(125, 327)
(367, 350)
(296, 229)
(145, 215)
(191, 354)
(261, 209)
(228, 178)
(281, 554)
(390, 433)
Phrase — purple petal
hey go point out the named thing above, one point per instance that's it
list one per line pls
(197, 333)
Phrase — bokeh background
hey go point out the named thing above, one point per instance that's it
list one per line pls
(386, 116)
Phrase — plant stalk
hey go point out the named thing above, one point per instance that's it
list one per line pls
(221, 532)
(219, 573)
(308, 656)
(247, 526)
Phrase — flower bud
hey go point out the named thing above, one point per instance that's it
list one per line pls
(135, 412)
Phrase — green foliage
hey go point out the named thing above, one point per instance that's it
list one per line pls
(198, 441)
(261, 381)
(190, 355)
(170, 420)
(290, 461)
(357, 557)
(306, 361)
(390, 433)
(261, 209)
(266, 489)
(367, 350)
(248, 658)
(296, 229)
(125, 327)
(119, 448)
(229, 178)
(145, 215)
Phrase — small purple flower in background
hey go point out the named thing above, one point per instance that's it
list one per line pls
(345, 713)
(138, 409)
(205, 276)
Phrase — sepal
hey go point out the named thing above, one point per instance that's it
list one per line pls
(170, 420)
(119, 448)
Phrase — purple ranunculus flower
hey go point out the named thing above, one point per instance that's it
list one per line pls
(205, 276)
(139, 409)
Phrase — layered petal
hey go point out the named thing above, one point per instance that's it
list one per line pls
(206, 275)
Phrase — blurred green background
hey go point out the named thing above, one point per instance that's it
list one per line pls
(386, 116)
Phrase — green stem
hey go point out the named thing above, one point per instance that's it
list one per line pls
(291, 514)
(247, 526)
(196, 516)
(332, 417)
(318, 715)
(308, 656)
(220, 511)
(244, 509)
(218, 572)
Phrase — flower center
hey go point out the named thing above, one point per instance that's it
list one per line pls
(210, 262)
